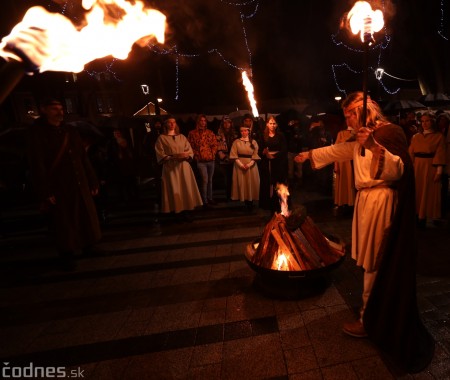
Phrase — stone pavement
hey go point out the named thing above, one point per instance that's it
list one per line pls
(177, 300)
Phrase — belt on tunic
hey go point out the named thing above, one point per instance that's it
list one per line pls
(378, 187)
(424, 155)
(245, 155)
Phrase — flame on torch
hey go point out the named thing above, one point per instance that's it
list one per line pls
(283, 194)
(68, 48)
(364, 20)
(250, 93)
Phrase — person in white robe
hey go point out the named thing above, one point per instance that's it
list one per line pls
(178, 186)
(245, 184)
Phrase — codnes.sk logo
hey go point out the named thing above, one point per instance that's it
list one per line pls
(32, 371)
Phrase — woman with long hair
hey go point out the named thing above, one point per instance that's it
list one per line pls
(273, 166)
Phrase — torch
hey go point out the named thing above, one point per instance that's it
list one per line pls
(364, 21)
(45, 41)
(250, 93)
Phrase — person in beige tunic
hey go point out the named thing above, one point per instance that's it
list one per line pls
(383, 240)
(245, 184)
(375, 201)
(344, 189)
(178, 187)
(427, 151)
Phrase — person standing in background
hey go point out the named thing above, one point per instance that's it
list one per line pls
(273, 166)
(295, 138)
(427, 150)
(318, 137)
(225, 137)
(124, 166)
(204, 145)
(65, 183)
(344, 184)
(148, 145)
(179, 191)
(244, 153)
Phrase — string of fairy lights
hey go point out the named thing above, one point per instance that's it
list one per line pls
(178, 54)
(174, 50)
(442, 22)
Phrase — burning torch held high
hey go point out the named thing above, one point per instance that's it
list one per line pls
(363, 20)
(250, 93)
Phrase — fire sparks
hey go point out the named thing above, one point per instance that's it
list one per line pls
(365, 21)
(68, 48)
(283, 194)
(250, 93)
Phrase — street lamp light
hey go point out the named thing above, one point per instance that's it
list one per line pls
(379, 73)
(146, 91)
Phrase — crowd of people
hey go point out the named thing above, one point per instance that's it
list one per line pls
(400, 176)
(375, 167)
(245, 160)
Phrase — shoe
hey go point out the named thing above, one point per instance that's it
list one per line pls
(355, 329)
(212, 202)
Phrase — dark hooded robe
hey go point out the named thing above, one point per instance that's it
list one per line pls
(60, 167)
(391, 317)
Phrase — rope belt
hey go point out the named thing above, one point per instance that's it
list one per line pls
(382, 186)
(424, 155)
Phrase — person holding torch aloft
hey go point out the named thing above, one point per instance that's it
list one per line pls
(383, 226)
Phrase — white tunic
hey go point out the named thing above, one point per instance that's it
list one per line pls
(179, 189)
(245, 185)
(375, 201)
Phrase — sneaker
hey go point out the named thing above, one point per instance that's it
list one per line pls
(355, 329)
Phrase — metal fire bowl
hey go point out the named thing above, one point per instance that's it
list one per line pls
(290, 284)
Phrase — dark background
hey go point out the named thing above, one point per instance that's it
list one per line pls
(289, 45)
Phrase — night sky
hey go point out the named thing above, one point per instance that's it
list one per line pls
(290, 45)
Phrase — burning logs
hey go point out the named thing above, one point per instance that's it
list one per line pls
(293, 246)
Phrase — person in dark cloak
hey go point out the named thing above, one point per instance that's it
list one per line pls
(65, 183)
